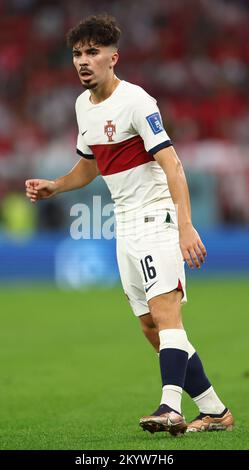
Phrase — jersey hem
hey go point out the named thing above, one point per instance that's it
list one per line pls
(85, 155)
(165, 144)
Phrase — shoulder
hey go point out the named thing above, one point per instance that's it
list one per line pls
(135, 94)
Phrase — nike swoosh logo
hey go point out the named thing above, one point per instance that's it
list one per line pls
(83, 133)
(148, 288)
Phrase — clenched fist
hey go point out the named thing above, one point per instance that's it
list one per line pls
(40, 189)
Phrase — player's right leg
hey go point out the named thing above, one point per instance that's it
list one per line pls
(166, 314)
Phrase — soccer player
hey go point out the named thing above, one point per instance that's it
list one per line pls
(121, 136)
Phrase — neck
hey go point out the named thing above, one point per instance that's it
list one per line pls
(102, 92)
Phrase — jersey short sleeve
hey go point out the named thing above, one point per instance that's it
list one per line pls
(82, 149)
(147, 122)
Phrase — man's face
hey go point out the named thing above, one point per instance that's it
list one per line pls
(94, 63)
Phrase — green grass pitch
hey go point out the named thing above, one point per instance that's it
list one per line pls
(77, 373)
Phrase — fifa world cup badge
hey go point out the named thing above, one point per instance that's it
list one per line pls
(109, 130)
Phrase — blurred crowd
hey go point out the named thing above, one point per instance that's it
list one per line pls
(192, 55)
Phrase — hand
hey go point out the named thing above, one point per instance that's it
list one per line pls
(193, 250)
(40, 189)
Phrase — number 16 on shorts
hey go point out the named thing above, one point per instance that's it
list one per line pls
(149, 270)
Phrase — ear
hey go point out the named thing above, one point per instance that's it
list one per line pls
(114, 59)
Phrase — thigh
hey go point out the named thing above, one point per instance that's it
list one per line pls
(165, 310)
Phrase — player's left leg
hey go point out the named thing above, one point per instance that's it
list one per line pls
(213, 413)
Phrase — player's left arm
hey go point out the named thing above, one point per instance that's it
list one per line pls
(192, 248)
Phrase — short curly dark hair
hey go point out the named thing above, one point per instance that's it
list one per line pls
(100, 29)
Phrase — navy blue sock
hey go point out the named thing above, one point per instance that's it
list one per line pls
(196, 381)
(173, 363)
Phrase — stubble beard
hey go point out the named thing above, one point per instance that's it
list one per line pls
(89, 85)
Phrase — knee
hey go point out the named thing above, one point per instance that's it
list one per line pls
(161, 317)
(161, 309)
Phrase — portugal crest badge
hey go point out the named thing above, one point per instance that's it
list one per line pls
(109, 130)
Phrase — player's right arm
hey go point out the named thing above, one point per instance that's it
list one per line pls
(81, 174)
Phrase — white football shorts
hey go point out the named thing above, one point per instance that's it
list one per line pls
(150, 261)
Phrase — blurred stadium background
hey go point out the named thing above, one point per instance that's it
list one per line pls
(193, 56)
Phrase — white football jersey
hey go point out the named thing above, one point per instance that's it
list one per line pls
(123, 133)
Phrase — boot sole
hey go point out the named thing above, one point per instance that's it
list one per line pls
(153, 426)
